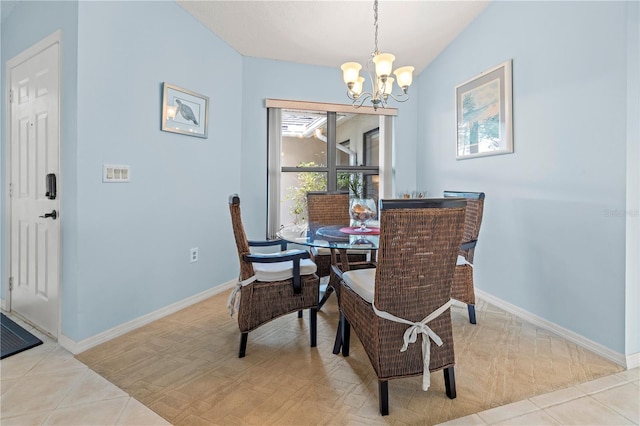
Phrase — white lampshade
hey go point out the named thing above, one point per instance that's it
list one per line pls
(350, 72)
(384, 63)
(405, 76)
(388, 86)
(357, 86)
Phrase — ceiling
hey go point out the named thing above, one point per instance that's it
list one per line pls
(329, 33)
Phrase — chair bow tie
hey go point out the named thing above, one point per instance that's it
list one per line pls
(233, 302)
(411, 335)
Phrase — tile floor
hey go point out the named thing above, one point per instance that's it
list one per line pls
(46, 385)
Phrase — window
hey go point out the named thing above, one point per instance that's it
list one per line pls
(323, 147)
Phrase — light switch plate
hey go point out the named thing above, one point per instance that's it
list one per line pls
(112, 173)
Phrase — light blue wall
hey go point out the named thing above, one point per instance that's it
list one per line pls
(134, 239)
(550, 242)
(126, 246)
(28, 23)
(633, 180)
(268, 79)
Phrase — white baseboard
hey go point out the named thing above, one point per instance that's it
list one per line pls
(571, 336)
(633, 361)
(81, 346)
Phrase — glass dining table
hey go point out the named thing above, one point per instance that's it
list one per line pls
(337, 237)
(340, 240)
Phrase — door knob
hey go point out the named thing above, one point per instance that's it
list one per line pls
(53, 215)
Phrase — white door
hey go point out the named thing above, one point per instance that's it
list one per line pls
(35, 153)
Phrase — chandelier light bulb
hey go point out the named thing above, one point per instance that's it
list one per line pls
(351, 72)
(384, 63)
(357, 87)
(404, 76)
(386, 87)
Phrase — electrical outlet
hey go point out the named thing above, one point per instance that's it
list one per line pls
(193, 255)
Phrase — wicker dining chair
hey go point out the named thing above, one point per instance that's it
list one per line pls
(326, 208)
(462, 288)
(270, 285)
(407, 294)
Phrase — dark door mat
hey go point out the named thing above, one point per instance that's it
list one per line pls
(14, 339)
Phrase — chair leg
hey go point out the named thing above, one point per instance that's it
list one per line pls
(346, 335)
(337, 345)
(299, 314)
(450, 382)
(313, 325)
(243, 344)
(325, 296)
(472, 313)
(383, 396)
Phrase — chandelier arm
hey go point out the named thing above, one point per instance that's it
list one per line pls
(358, 102)
(404, 97)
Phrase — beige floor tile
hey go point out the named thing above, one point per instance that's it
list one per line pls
(5, 385)
(632, 375)
(90, 388)
(101, 413)
(585, 411)
(38, 393)
(59, 359)
(33, 419)
(135, 413)
(557, 397)
(473, 419)
(624, 399)
(601, 384)
(22, 363)
(537, 418)
(508, 411)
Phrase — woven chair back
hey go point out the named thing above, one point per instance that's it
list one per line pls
(242, 244)
(419, 244)
(329, 208)
(473, 218)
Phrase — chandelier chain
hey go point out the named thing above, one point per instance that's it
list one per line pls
(381, 81)
(375, 23)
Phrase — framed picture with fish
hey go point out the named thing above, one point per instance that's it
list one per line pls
(184, 111)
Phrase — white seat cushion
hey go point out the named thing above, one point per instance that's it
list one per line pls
(362, 281)
(280, 271)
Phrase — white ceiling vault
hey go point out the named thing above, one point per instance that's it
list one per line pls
(329, 33)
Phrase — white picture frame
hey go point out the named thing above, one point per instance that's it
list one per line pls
(184, 111)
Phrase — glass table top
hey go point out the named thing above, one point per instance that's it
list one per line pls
(332, 236)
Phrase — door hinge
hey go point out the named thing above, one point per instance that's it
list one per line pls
(10, 96)
(10, 283)
(10, 189)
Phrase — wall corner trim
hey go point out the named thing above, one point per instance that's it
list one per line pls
(571, 336)
(76, 347)
(633, 361)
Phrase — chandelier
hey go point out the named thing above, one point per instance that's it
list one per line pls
(382, 85)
